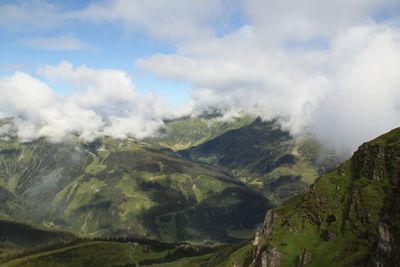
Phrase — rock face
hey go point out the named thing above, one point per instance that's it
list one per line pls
(271, 257)
(304, 259)
(349, 217)
(264, 255)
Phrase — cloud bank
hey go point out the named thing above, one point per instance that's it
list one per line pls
(330, 68)
(104, 103)
(345, 94)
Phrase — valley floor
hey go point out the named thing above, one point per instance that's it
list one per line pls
(111, 253)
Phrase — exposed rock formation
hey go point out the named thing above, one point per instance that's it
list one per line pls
(349, 217)
(265, 255)
(304, 259)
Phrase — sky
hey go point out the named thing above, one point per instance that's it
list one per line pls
(120, 67)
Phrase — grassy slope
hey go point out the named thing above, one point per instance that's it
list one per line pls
(264, 156)
(25, 245)
(337, 220)
(187, 132)
(92, 253)
(11, 206)
(123, 187)
(18, 239)
(101, 253)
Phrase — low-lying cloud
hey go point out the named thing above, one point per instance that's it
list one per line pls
(105, 102)
(344, 94)
(330, 68)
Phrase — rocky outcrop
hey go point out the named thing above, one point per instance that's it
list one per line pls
(265, 255)
(355, 211)
(270, 257)
(380, 162)
(304, 258)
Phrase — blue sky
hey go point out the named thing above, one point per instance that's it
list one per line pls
(109, 45)
(307, 62)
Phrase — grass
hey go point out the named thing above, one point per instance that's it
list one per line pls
(84, 194)
(94, 253)
(386, 138)
(336, 219)
(136, 200)
(167, 226)
(110, 253)
(114, 187)
(19, 238)
(95, 168)
(187, 132)
(13, 183)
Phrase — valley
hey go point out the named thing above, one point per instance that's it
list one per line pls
(140, 203)
(219, 133)
(203, 185)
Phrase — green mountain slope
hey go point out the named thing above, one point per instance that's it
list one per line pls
(19, 239)
(10, 206)
(123, 253)
(25, 245)
(123, 187)
(264, 156)
(349, 217)
(185, 132)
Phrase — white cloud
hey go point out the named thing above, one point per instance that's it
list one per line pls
(345, 94)
(63, 43)
(329, 67)
(302, 20)
(39, 112)
(105, 103)
(96, 87)
(363, 97)
(165, 19)
(171, 20)
(6, 130)
(27, 14)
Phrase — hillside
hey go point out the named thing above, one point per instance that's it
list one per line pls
(20, 239)
(26, 245)
(349, 217)
(266, 157)
(186, 132)
(115, 187)
(111, 187)
(124, 253)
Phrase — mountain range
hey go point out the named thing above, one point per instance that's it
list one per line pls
(194, 193)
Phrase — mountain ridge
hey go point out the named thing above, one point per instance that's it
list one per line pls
(122, 187)
(349, 217)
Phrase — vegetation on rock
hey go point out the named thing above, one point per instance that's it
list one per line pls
(349, 217)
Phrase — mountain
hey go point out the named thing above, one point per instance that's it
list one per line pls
(349, 217)
(112, 187)
(198, 179)
(25, 245)
(17, 239)
(266, 157)
(116, 253)
(110, 252)
(186, 132)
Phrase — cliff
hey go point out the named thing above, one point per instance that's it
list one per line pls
(349, 217)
